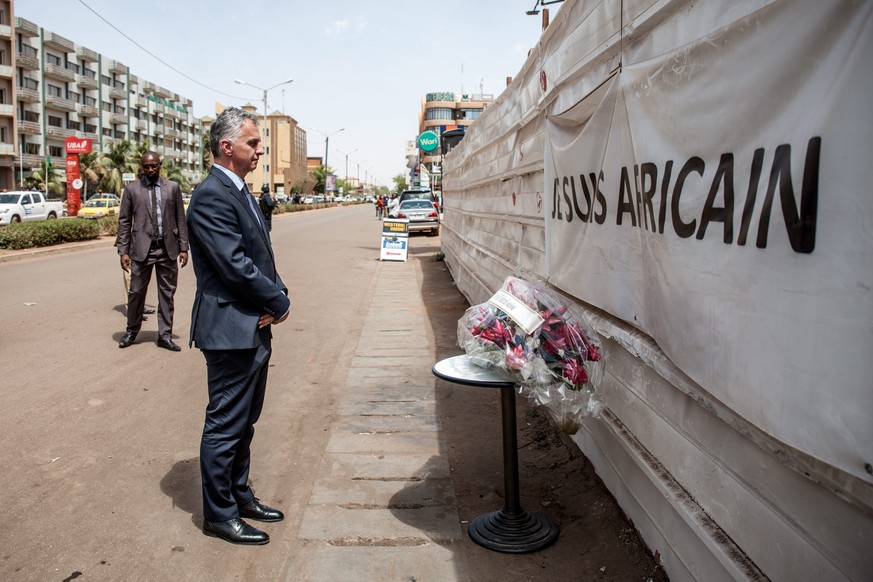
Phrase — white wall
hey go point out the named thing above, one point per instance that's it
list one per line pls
(715, 495)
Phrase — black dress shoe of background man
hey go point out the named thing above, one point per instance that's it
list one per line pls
(126, 339)
(148, 311)
(235, 531)
(168, 344)
(256, 510)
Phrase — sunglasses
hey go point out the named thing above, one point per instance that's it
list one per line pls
(151, 166)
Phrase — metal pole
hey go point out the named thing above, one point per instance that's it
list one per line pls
(266, 142)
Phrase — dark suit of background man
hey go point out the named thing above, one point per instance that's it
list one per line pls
(151, 235)
(267, 204)
(239, 295)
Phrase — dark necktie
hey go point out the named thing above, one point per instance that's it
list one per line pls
(154, 212)
(254, 210)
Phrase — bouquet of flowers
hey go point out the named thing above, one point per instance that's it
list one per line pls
(544, 342)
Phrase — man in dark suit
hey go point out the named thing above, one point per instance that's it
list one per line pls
(239, 296)
(267, 204)
(152, 235)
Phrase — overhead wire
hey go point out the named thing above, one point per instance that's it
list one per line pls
(156, 57)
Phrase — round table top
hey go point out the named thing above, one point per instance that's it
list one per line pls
(462, 370)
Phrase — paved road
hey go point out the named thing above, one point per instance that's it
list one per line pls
(100, 445)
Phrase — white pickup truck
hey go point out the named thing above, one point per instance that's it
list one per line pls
(25, 206)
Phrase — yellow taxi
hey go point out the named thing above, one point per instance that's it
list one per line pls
(99, 207)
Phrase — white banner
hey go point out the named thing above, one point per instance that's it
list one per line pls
(718, 197)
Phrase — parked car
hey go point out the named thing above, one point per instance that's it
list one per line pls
(99, 207)
(28, 206)
(282, 198)
(420, 194)
(422, 215)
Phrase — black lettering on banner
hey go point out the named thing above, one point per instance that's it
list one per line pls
(625, 199)
(556, 207)
(684, 230)
(724, 174)
(648, 185)
(585, 216)
(598, 193)
(800, 227)
(751, 195)
(568, 180)
(665, 191)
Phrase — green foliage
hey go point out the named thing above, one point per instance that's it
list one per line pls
(318, 175)
(26, 235)
(399, 183)
(37, 180)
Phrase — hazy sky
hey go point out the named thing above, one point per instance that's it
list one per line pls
(359, 65)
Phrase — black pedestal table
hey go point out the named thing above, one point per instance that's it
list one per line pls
(511, 529)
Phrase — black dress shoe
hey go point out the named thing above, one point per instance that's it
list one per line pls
(148, 311)
(126, 339)
(168, 345)
(235, 531)
(256, 510)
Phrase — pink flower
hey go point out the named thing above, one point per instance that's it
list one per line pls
(515, 358)
(574, 372)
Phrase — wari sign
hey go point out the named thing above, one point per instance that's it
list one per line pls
(428, 141)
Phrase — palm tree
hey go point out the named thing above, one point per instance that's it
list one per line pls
(171, 171)
(42, 174)
(113, 164)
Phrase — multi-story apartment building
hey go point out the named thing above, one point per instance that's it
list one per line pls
(67, 90)
(8, 129)
(444, 111)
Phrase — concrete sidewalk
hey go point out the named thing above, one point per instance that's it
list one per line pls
(383, 506)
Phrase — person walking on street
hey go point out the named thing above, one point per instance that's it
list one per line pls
(239, 295)
(267, 203)
(152, 235)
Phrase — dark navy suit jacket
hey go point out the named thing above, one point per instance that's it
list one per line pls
(233, 261)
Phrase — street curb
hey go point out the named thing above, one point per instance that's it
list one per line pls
(10, 256)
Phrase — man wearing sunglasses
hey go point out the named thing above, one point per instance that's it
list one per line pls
(152, 235)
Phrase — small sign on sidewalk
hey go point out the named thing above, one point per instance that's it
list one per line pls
(395, 239)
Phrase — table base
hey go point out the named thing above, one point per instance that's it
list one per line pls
(513, 533)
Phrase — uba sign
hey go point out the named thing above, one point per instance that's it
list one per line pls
(75, 145)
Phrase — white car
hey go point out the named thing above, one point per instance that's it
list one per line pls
(422, 216)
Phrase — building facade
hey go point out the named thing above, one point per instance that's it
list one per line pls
(8, 128)
(62, 90)
(283, 165)
(441, 112)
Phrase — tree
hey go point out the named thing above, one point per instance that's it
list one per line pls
(42, 174)
(399, 183)
(171, 171)
(114, 163)
(318, 175)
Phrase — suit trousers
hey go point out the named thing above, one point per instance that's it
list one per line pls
(237, 381)
(167, 275)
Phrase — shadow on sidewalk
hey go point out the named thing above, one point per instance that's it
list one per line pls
(182, 485)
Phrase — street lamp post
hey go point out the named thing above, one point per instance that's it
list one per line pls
(347, 160)
(327, 137)
(266, 137)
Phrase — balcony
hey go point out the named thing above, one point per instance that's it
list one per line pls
(161, 92)
(141, 101)
(26, 27)
(170, 132)
(7, 149)
(31, 127)
(6, 71)
(60, 103)
(5, 31)
(62, 132)
(92, 135)
(60, 73)
(27, 95)
(86, 82)
(116, 67)
(86, 110)
(7, 110)
(56, 41)
(86, 54)
(148, 87)
(118, 119)
(27, 61)
(141, 125)
(116, 93)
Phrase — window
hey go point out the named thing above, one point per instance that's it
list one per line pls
(53, 59)
(74, 125)
(31, 116)
(105, 80)
(56, 151)
(119, 109)
(55, 121)
(32, 149)
(119, 134)
(90, 128)
(3, 135)
(29, 51)
(90, 101)
(73, 67)
(107, 107)
(470, 114)
(54, 90)
(439, 113)
(30, 84)
(107, 132)
(72, 96)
